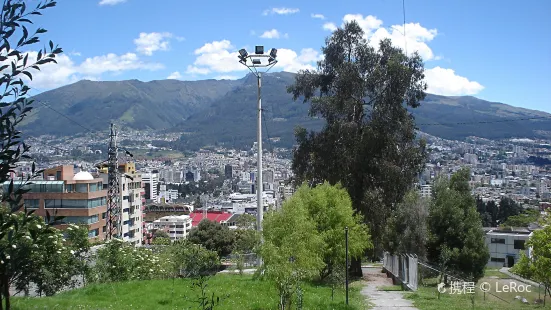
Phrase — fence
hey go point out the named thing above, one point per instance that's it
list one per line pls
(403, 268)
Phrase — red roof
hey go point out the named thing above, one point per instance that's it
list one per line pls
(215, 216)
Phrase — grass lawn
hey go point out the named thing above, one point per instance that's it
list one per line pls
(426, 297)
(495, 273)
(243, 293)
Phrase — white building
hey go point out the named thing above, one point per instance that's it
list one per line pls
(177, 226)
(131, 199)
(150, 181)
(132, 205)
(505, 246)
(426, 191)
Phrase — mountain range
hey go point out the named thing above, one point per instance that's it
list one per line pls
(224, 111)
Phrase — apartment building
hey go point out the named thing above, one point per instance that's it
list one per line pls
(150, 181)
(78, 198)
(132, 202)
(177, 226)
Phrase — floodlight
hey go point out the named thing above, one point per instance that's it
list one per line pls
(243, 53)
(256, 61)
(259, 49)
(273, 53)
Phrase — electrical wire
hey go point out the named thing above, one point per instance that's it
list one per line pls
(65, 116)
(405, 38)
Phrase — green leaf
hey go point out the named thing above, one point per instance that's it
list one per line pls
(39, 56)
(41, 30)
(51, 45)
(28, 74)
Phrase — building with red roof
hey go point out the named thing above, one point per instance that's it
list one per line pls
(215, 216)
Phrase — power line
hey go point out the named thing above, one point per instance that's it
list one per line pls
(67, 117)
(405, 38)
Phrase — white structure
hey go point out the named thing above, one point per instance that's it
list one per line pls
(150, 181)
(132, 205)
(177, 226)
(505, 247)
(426, 191)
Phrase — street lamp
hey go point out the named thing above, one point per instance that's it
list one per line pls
(253, 62)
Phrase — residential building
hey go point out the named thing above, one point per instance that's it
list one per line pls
(426, 191)
(176, 226)
(505, 246)
(78, 198)
(150, 181)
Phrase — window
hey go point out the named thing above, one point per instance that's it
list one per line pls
(75, 203)
(32, 203)
(498, 240)
(93, 233)
(519, 244)
(94, 187)
(82, 188)
(58, 175)
(498, 259)
(70, 188)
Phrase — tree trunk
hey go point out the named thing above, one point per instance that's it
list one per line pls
(356, 267)
(6, 287)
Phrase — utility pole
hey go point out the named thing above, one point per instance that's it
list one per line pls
(346, 267)
(253, 62)
(113, 194)
(259, 187)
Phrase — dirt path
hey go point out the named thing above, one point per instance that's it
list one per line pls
(382, 300)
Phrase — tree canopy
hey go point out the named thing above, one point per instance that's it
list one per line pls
(368, 142)
(455, 228)
(213, 236)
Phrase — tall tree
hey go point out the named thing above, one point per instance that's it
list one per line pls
(407, 228)
(507, 207)
(368, 142)
(455, 228)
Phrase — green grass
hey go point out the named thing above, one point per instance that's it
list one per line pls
(426, 297)
(495, 273)
(389, 288)
(243, 293)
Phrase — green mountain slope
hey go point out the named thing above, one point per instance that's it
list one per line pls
(212, 112)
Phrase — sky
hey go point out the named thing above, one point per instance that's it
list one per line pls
(495, 50)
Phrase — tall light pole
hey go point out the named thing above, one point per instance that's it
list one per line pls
(253, 62)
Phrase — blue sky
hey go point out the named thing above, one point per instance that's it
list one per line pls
(494, 50)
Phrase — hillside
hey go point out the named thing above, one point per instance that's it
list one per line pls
(224, 111)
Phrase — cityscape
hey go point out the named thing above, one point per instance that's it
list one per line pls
(345, 157)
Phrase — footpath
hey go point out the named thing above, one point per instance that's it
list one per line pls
(383, 300)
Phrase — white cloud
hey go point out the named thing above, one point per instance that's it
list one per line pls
(273, 34)
(445, 82)
(111, 2)
(174, 76)
(147, 43)
(66, 71)
(221, 57)
(319, 16)
(180, 39)
(329, 26)
(196, 70)
(289, 60)
(281, 11)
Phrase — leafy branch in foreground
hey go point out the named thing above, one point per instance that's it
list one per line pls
(15, 69)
